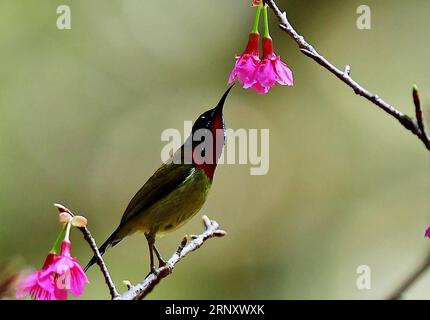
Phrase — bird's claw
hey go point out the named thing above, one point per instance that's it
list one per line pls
(161, 262)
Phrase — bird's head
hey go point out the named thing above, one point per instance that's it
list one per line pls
(209, 137)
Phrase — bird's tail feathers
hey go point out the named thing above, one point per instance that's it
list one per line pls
(110, 242)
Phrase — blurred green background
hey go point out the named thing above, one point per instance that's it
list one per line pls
(82, 112)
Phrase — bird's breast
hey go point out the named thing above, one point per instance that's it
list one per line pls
(177, 207)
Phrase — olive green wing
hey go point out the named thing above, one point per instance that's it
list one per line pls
(166, 179)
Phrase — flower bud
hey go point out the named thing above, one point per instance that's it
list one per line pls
(64, 217)
(79, 221)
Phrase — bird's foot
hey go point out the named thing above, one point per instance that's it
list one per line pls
(153, 271)
(161, 262)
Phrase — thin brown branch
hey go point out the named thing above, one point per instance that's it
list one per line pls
(87, 236)
(416, 126)
(345, 77)
(410, 280)
(419, 113)
(139, 291)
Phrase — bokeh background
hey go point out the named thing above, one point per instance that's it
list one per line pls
(82, 112)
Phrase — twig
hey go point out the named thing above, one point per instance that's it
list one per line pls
(416, 126)
(344, 76)
(419, 112)
(140, 290)
(87, 236)
(409, 281)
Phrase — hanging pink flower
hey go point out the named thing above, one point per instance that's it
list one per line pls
(247, 63)
(60, 272)
(40, 285)
(271, 70)
(427, 233)
(261, 75)
(69, 274)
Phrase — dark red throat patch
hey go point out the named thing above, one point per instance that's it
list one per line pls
(218, 140)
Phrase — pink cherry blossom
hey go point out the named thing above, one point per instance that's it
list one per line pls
(271, 70)
(247, 63)
(427, 233)
(69, 274)
(40, 285)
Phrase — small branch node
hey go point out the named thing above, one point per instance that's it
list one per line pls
(220, 233)
(207, 222)
(347, 70)
(307, 52)
(419, 115)
(284, 16)
(182, 244)
(127, 284)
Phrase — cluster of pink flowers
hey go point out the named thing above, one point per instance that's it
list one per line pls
(60, 274)
(260, 74)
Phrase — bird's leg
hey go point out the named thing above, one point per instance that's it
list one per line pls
(151, 241)
(161, 261)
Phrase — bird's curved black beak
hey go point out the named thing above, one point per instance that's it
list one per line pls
(213, 118)
(220, 105)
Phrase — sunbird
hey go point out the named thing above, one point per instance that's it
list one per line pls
(178, 189)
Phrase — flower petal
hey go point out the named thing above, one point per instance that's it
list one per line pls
(245, 70)
(77, 281)
(40, 284)
(24, 287)
(266, 75)
(284, 75)
(60, 294)
(233, 72)
(260, 89)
